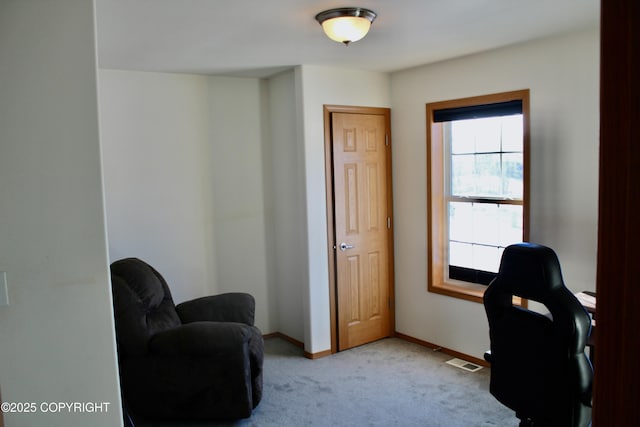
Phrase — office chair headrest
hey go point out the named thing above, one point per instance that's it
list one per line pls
(530, 271)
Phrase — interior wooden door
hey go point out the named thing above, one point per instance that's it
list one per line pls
(362, 224)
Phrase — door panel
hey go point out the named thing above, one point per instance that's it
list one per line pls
(360, 157)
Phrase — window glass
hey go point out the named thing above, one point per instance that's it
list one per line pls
(481, 175)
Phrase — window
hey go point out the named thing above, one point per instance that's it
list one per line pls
(477, 172)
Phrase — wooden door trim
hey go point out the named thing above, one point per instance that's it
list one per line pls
(328, 165)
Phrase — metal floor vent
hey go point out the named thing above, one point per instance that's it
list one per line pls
(463, 364)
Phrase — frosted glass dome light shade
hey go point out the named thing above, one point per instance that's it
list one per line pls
(347, 24)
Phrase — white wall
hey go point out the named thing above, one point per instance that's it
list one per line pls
(57, 333)
(184, 181)
(562, 74)
(239, 126)
(317, 86)
(158, 173)
(286, 204)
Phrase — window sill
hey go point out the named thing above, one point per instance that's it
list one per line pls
(467, 291)
(459, 289)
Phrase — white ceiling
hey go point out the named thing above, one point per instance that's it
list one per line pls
(260, 37)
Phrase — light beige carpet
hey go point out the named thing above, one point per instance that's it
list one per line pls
(386, 383)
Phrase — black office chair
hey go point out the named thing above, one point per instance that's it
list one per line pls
(538, 364)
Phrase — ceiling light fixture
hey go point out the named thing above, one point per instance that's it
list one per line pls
(346, 24)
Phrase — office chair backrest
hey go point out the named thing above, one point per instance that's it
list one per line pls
(538, 365)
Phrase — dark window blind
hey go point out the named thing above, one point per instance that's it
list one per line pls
(507, 108)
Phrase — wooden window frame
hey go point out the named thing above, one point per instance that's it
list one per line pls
(438, 281)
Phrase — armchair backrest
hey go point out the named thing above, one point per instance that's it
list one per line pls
(143, 305)
(538, 365)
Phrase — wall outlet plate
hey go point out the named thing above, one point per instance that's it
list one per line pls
(4, 293)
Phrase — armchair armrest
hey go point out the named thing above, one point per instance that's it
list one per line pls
(229, 307)
(202, 339)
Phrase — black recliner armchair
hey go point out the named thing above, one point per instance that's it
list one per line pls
(538, 365)
(201, 359)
